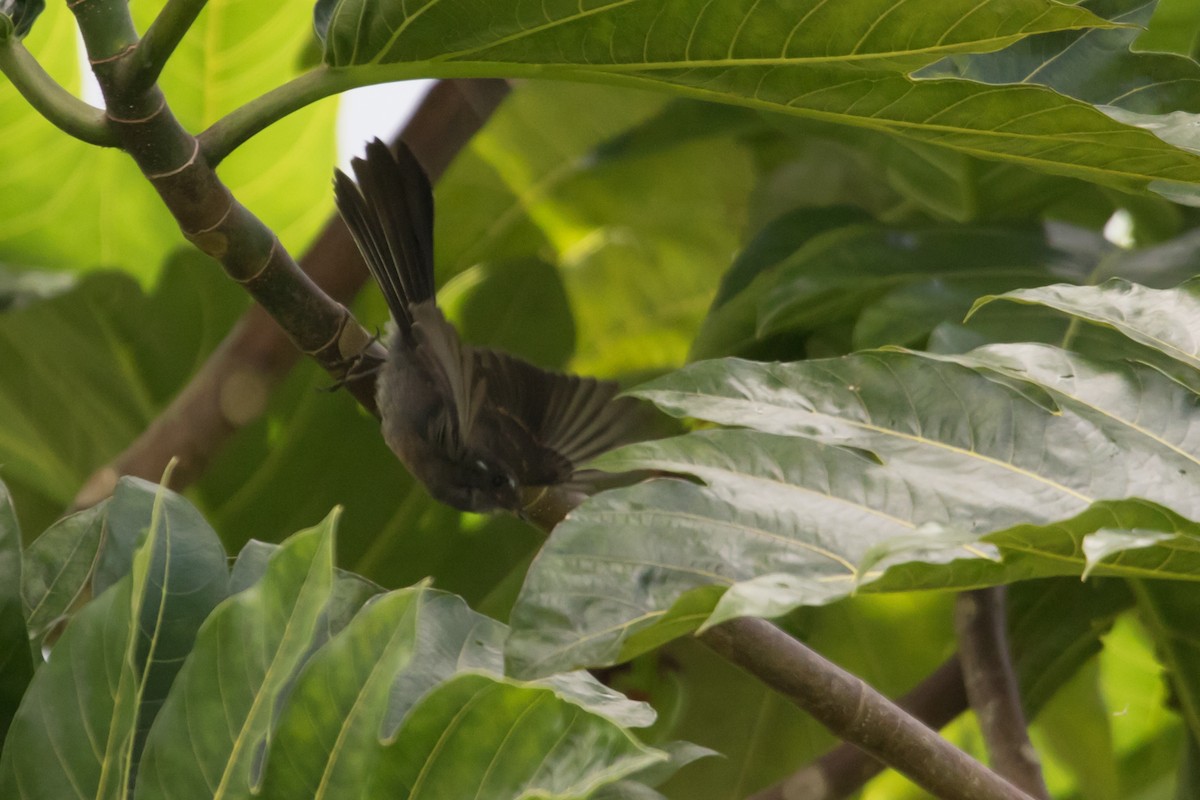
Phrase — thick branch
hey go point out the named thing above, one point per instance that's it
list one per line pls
(66, 111)
(236, 381)
(991, 684)
(855, 712)
(845, 769)
(207, 213)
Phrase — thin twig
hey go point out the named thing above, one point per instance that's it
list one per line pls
(161, 39)
(855, 712)
(991, 685)
(66, 111)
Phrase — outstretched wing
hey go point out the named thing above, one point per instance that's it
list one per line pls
(566, 420)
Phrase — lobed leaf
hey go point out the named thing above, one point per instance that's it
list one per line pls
(886, 470)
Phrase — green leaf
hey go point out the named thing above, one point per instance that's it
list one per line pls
(326, 741)
(1096, 66)
(476, 735)
(639, 237)
(1174, 28)
(118, 356)
(16, 666)
(680, 34)
(889, 464)
(91, 703)
(835, 274)
(207, 739)
(21, 13)
(1168, 609)
(57, 569)
(1165, 320)
(510, 306)
(799, 61)
(236, 52)
(1055, 627)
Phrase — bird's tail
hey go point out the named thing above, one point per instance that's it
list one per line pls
(390, 215)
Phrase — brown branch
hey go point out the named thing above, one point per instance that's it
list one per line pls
(991, 685)
(841, 772)
(233, 386)
(855, 712)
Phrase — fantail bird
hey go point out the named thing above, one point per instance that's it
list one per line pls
(483, 430)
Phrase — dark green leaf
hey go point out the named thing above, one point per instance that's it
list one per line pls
(89, 705)
(16, 666)
(58, 568)
(21, 13)
(1169, 610)
(1095, 65)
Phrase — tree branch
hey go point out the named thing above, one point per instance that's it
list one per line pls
(856, 712)
(991, 685)
(66, 111)
(236, 381)
(207, 213)
(841, 772)
(234, 129)
(160, 41)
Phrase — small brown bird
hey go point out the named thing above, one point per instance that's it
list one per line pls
(483, 430)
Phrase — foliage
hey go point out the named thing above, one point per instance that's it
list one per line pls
(877, 278)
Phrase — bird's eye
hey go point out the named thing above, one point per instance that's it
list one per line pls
(498, 480)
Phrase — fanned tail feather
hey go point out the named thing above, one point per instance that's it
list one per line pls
(390, 216)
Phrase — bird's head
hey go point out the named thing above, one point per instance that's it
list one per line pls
(482, 485)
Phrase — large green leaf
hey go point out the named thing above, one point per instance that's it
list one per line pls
(86, 371)
(236, 52)
(358, 693)
(233, 53)
(81, 724)
(16, 666)
(640, 238)
(327, 738)
(799, 59)
(680, 34)
(1096, 66)
(207, 739)
(857, 463)
(484, 736)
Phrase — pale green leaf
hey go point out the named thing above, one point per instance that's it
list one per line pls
(1165, 320)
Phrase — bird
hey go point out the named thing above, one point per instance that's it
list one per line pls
(483, 430)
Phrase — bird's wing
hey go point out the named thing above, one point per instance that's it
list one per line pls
(574, 418)
(452, 365)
